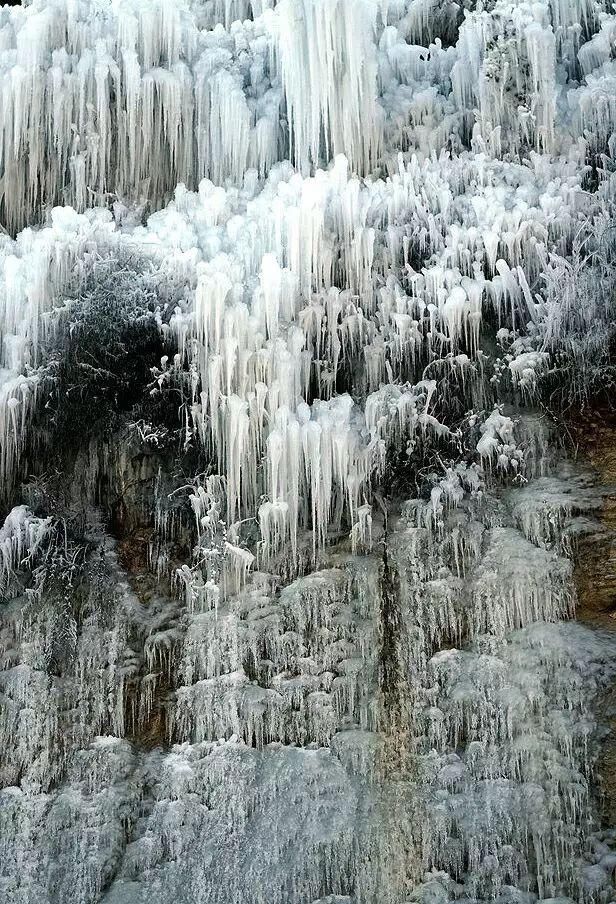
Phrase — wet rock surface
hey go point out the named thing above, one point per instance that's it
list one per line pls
(595, 579)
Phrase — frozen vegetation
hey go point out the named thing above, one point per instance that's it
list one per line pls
(294, 297)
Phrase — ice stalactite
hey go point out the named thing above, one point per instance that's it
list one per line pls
(133, 101)
(329, 69)
(209, 13)
(21, 536)
(508, 69)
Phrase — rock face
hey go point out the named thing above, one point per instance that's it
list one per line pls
(605, 708)
(596, 559)
(595, 578)
(293, 534)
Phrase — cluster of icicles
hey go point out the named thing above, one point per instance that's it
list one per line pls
(129, 99)
(266, 322)
(364, 707)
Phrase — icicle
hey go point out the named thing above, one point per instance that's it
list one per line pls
(21, 536)
(328, 64)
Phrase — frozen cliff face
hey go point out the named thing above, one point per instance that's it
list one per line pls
(286, 530)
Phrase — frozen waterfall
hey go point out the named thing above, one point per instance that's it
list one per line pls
(299, 300)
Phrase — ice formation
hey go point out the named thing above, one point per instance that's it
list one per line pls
(285, 559)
